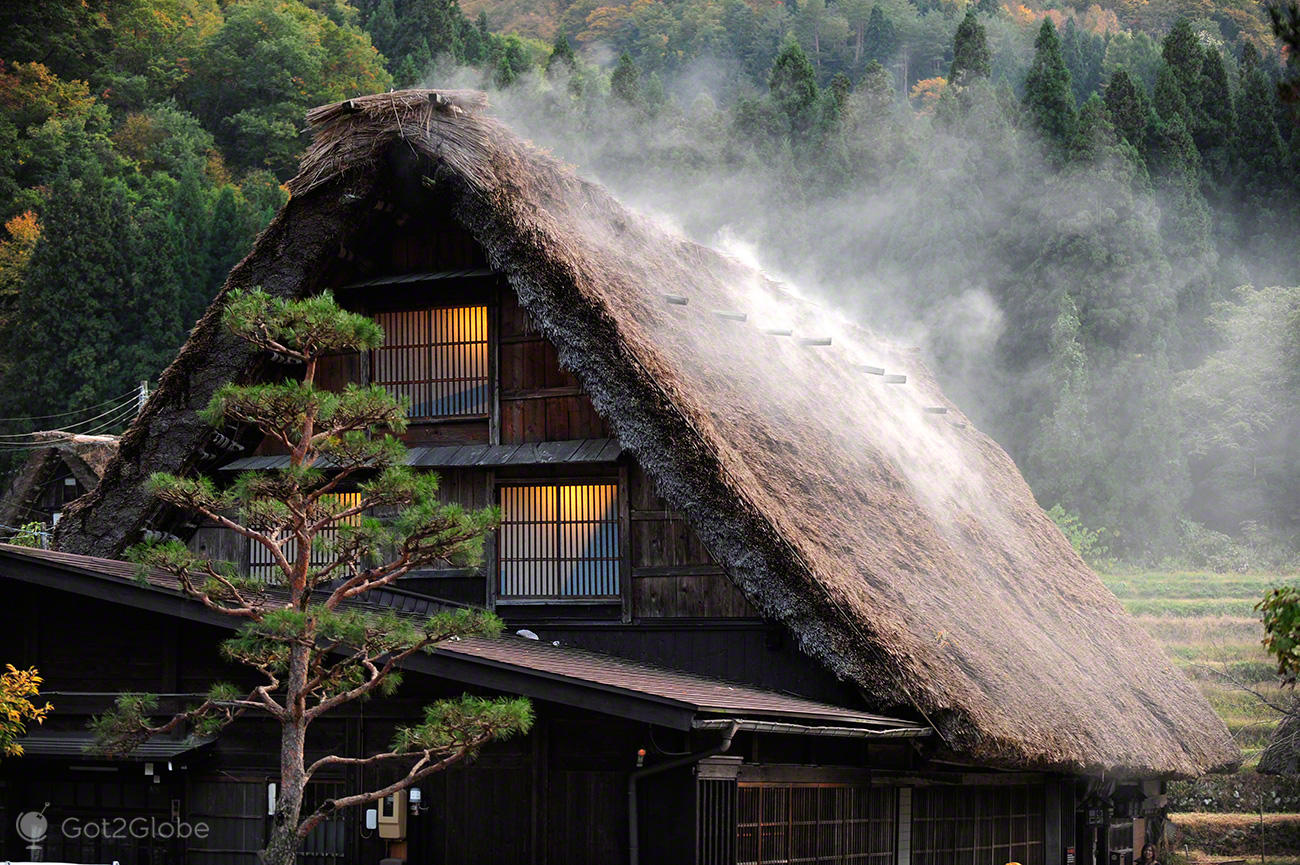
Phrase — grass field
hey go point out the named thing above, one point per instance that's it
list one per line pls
(1208, 625)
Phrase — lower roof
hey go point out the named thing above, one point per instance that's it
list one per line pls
(477, 456)
(515, 664)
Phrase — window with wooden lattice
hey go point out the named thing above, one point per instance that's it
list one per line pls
(262, 564)
(559, 541)
(783, 824)
(977, 825)
(437, 359)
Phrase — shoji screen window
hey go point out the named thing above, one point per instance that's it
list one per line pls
(558, 542)
(437, 359)
(262, 565)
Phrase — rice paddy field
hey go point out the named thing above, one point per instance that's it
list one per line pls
(1207, 624)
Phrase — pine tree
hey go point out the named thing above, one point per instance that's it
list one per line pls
(1215, 124)
(880, 39)
(562, 58)
(625, 81)
(1259, 145)
(1048, 97)
(793, 85)
(1181, 49)
(1127, 107)
(970, 52)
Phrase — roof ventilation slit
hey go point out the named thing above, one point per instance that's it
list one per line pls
(729, 315)
(872, 370)
(675, 299)
(778, 331)
(814, 340)
(895, 379)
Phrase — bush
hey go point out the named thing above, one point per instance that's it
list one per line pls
(1088, 543)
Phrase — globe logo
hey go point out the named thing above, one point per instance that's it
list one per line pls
(32, 825)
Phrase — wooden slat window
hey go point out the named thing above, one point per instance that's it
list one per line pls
(261, 564)
(977, 825)
(437, 359)
(559, 541)
(784, 824)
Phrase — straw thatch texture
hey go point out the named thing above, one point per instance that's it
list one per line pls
(1282, 756)
(902, 548)
(86, 456)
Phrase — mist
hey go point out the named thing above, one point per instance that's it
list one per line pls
(1059, 307)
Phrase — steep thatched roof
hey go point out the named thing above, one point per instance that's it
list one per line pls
(1282, 756)
(85, 456)
(901, 547)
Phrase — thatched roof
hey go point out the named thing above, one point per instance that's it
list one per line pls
(1282, 756)
(86, 457)
(902, 548)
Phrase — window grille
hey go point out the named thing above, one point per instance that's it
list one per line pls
(977, 825)
(830, 823)
(437, 359)
(559, 541)
(262, 565)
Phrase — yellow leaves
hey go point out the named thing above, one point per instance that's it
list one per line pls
(24, 229)
(926, 92)
(17, 710)
(603, 22)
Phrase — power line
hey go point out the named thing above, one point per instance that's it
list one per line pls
(131, 402)
(71, 412)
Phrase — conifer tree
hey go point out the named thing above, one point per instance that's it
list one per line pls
(562, 58)
(793, 85)
(625, 81)
(309, 645)
(1259, 144)
(1214, 126)
(880, 39)
(970, 52)
(1127, 107)
(1048, 97)
(1182, 51)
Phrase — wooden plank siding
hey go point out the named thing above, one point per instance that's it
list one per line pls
(673, 575)
(540, 401)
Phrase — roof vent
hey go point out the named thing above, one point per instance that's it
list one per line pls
(895, 379)
(675, 299)
(778, 331)
(729, 315)
(936, 409)
(872, 370)
(814, 340)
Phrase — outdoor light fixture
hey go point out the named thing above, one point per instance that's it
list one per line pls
(270, 799)
(372, 819)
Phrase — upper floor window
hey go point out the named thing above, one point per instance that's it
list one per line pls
(559, 541)
(262, 564)
(437, 359)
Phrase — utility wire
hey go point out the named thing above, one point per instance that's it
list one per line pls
(116, 399)
(132, 403)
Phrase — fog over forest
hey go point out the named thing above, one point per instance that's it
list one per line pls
(1084, 217)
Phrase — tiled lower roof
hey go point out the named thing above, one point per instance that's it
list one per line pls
(482, 456)
(678, 689)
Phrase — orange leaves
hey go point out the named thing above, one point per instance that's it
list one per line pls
(17, 710)
(926, 92)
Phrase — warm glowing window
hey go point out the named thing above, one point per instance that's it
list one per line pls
(437, 359)
(262, 565)
(559, 541)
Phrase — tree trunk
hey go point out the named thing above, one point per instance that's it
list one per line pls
(282, 848)
(857, 49)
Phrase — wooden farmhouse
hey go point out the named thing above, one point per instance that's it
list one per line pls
(64, 467)
(775, 600)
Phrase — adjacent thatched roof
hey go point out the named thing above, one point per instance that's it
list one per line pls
(1282, 756)
(902, 548)
(86, 457)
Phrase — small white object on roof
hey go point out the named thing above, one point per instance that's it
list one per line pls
(675, 299)
(895, 379)
(729, 315)
(873, 370)
(936, 409)
(814, 340)
(778, 331)
(526, 634)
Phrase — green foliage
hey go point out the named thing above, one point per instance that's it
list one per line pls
(793, 85)
(1088, 543)
(1048, 97)
(33, 534)
(1280, 612)
(625, 81)
(970, 52)
(449, 725)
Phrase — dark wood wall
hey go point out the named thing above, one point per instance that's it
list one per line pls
(540, 401)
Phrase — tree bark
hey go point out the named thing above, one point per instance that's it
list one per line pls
(282, 847)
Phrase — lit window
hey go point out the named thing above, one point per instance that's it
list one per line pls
(437, 359)
(262, 565)
(559, 541)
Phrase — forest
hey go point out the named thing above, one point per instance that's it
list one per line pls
(1083, 216)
